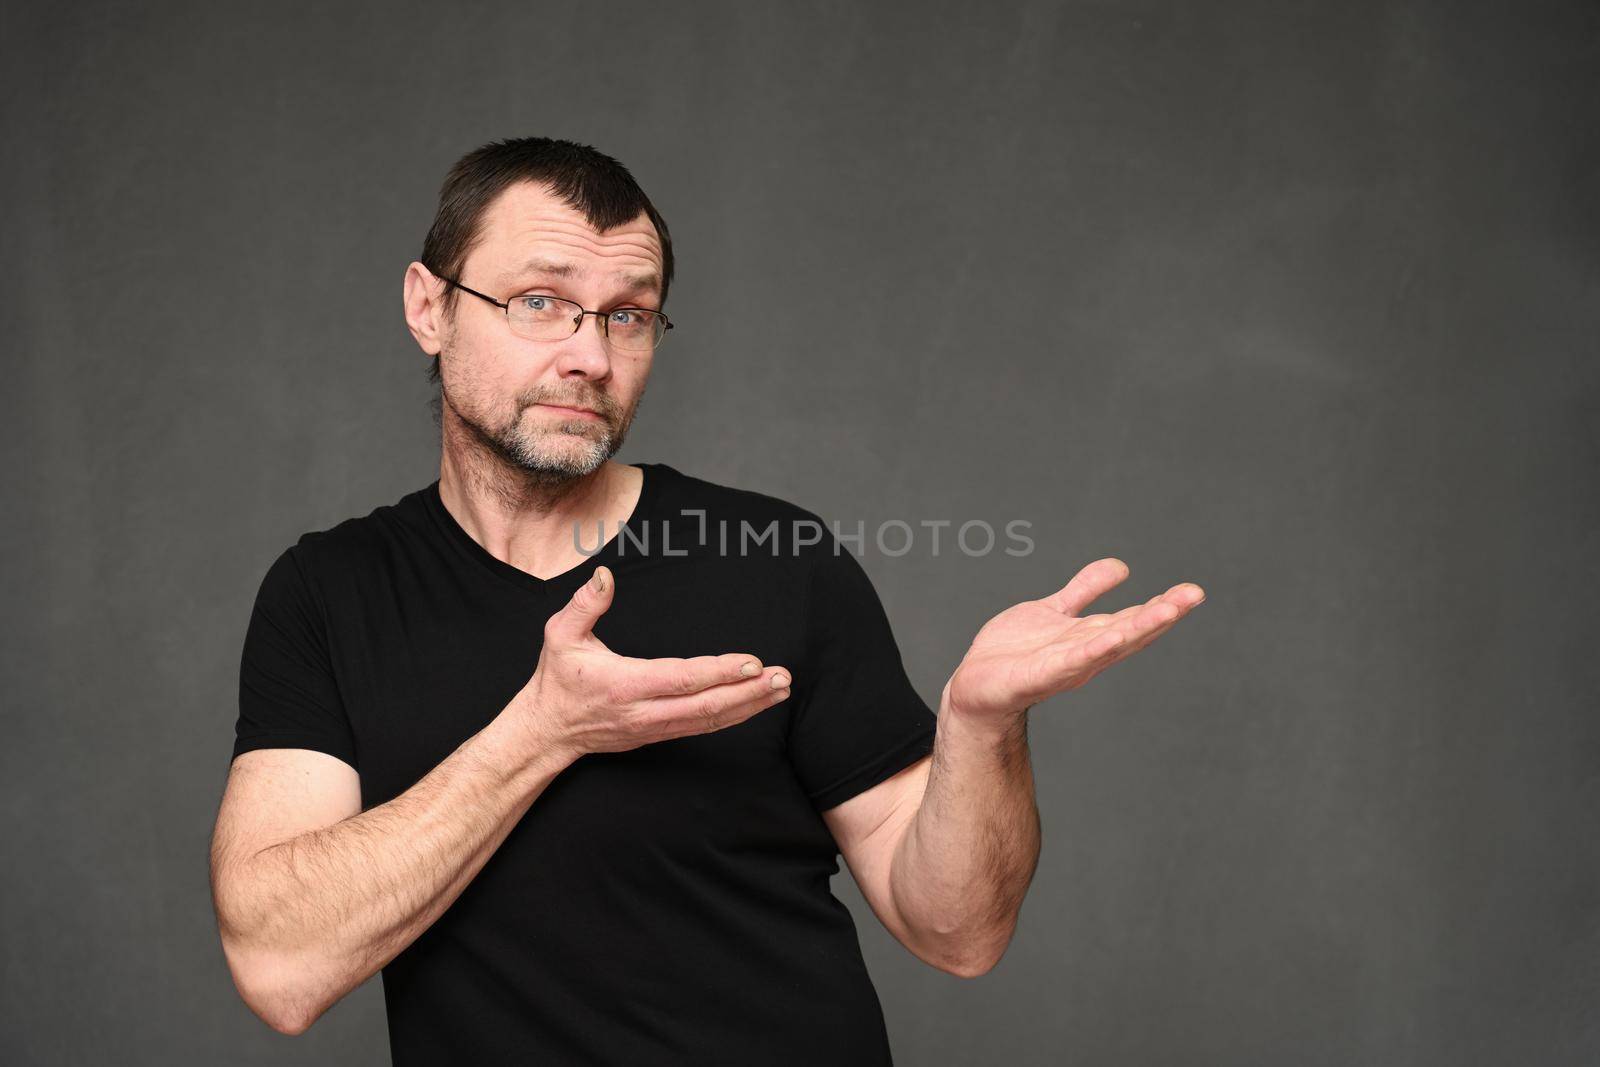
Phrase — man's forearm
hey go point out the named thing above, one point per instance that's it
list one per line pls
(307, 920)
(964, 861)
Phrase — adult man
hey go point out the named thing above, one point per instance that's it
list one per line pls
(583, 807)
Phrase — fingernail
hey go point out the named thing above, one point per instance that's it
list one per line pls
(598, 582)
(749, 670)
(779, 681)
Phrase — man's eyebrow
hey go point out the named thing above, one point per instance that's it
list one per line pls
(560, 269)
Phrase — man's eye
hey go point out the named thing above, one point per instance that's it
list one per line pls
(541, 306)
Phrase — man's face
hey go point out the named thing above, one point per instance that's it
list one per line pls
(513, 393)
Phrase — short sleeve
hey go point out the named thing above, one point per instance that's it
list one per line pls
(288, 697)
(858, 719)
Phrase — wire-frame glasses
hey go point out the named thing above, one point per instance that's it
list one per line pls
(541, 317)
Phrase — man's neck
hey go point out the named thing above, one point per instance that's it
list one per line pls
(529, 522)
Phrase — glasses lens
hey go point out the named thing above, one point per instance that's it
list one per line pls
(542, 318)
(635, 328)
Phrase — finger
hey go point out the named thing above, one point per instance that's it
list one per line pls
(1087, 585)
(1185, 595)
(1142, 624)
(1179, 595)
(1136, 644)
(1138, 619)
(1110, 639)
(586, 606)
(721, 720)
(719, 706)
(1141, 620)
(669, 676)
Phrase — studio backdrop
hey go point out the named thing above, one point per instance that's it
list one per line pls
(1298, 302)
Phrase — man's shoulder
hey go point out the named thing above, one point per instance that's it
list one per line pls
(686, 497)
(358, 540)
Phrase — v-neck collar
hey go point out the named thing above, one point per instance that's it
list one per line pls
(568, 580)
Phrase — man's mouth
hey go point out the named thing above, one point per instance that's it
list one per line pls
(563, 409)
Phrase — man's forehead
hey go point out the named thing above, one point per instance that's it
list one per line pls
(640, 276)
(531, 231)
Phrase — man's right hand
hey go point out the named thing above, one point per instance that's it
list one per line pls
(584, 698)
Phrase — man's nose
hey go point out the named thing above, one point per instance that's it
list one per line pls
(586, 352)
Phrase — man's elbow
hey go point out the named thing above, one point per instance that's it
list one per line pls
(288, 1025)
(289, 1022)
(976, 957)
(266, 986)
(971, 966)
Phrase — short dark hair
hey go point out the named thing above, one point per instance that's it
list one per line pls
(588, 180)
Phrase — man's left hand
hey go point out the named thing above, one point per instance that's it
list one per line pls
(1038, 648)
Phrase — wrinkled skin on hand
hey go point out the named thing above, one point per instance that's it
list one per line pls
(1038, 648)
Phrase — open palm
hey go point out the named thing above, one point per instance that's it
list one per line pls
(1038, 648)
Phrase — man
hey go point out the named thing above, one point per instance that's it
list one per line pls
(577, 794)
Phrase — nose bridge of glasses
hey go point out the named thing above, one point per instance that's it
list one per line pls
(601, 322)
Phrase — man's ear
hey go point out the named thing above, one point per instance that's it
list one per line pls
(424, 312)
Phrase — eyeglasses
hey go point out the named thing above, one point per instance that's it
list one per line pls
(539, 317)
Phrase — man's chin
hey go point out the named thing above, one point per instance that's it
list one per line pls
(562, 455)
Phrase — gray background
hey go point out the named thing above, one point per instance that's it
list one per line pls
(1297, 301)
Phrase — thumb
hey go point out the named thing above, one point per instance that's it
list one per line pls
(587, 605)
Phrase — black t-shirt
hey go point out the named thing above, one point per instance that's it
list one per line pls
(669, 904)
